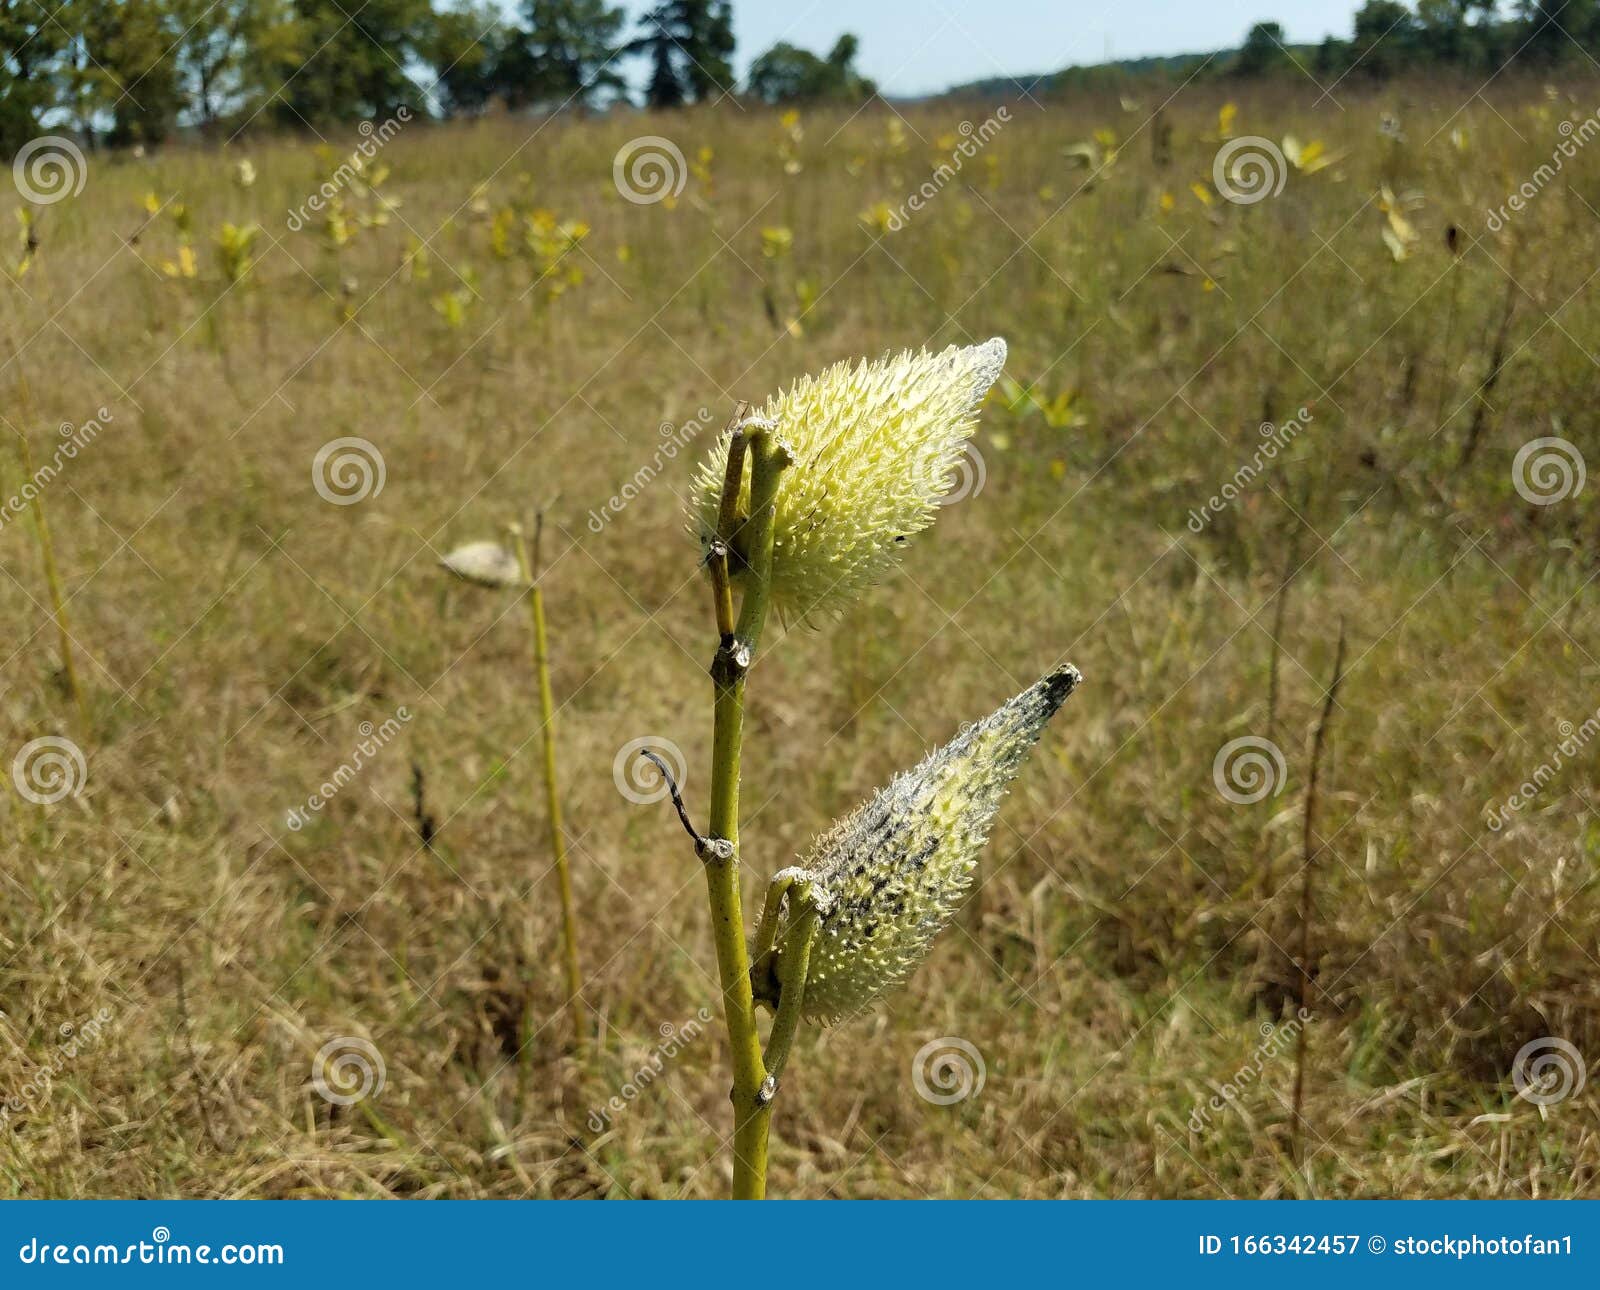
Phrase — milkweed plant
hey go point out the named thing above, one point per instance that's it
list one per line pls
(491, 564)
(801, 507)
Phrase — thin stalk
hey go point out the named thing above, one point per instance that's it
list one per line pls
(1497, 361)
(751, 1094)
(1280, 609)
(727, 525)
(767, 929)
(52, 575)
(794, 962)
(1454, 271)
(547, 728)
(1317, 741)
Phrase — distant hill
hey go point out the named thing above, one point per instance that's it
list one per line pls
(1118, 69)
(998, 86)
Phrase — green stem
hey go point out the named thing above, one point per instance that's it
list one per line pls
(52, 576)
(47, 550)
(794, 962)
(767, 928)
(752, 1115)
(552, 797)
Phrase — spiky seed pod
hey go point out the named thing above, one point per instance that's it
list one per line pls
(488, 564)
(893, 872)
(874, 445)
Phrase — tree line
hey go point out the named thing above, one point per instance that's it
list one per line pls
(137, 71)
(123, 72)
(1388, 37)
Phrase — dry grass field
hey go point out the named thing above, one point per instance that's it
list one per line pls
(511, 334)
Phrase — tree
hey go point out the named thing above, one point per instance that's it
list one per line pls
(465, 48)
(115, 77)
(1263, 50)
(690, 43)
(786, 74)
(1442, 29)
(356, 56)
(31, 46)
(707, 42)
(1385, 37)
(565, 53)
(231, 54)
(1555, 27)
(665, 89)
(1446, 32)
(783, 74)
(1332, 57)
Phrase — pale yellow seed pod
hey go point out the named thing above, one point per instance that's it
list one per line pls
(890, 875)
(875, 445)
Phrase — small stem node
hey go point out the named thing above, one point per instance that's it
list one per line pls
(732, 661)
(714, 850)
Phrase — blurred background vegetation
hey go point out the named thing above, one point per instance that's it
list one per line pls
(120, 72)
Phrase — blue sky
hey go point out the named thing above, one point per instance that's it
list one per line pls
(918, 46)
